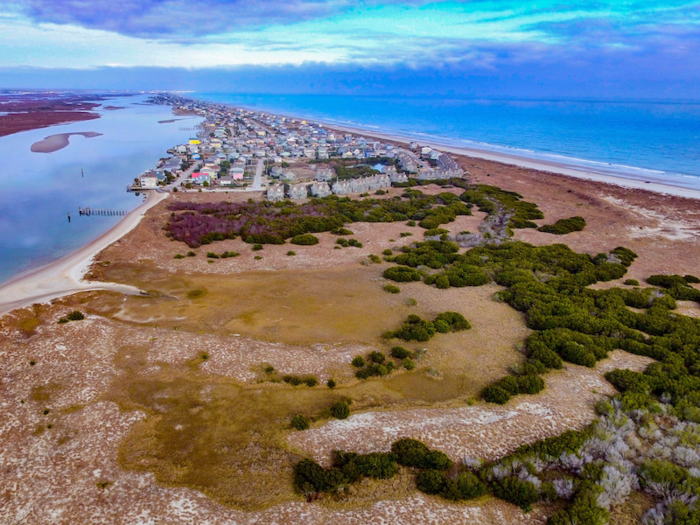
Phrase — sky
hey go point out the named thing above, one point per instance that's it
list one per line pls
(548, 48)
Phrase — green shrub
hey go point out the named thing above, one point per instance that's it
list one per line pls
(374, 259)
(340, 410)
(292, 380)
(212, 255)
(62, 320)
(410, 452)
(291, 253)
(431, 481)
(331, 383)
(387, 252)
(341, 231)
(564, 226)
(467, 486)
(516, 491)
(437, 460)
(495, 394)
(191, 254)
(300, 422)
(399, 352)
(179, 256)
(631, 282)
(305, 239)
(358, 361)
(377, 357)
(391, 288)
(76, 315)
(310, 381)
(408, 364)
(257, 247)
(401, 274)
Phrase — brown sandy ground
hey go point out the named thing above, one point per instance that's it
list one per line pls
(144, 428)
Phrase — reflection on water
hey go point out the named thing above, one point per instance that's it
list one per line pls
(39, 190)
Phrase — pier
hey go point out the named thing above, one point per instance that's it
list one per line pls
(100, 212)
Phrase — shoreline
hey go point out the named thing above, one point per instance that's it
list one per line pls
(65, 276)
(654, 184)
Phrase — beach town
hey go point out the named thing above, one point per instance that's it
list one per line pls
(237, 149)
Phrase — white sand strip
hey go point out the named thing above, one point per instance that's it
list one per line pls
(65, 276)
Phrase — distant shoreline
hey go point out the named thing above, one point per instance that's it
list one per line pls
(59, 141)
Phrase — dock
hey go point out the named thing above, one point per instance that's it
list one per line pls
(88, 212)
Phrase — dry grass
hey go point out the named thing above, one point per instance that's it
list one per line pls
(141, 428)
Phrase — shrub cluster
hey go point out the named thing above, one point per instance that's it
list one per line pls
(305, 239)
(417, 329)
(376, 363)
(296, 380)
(273, 222)
(564, 226)
(348, 242)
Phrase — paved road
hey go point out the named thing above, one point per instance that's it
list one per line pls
(257, 181)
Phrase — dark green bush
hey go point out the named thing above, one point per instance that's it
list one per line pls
(564, 226)
(391, 288)
(257, 247)
(305, 239)
(401, 274)
(377, 357)
(310, 381)
(410, 452)
(516, 491)
(76, 315)
(399, 352)
(358, 361)
(300, 422)
(631, 282)
(331, 383)
(340, 410)
(431, 481)
(495, 394)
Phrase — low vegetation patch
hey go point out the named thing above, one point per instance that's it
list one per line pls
(564, 226)
(417, 329)
(305, 239)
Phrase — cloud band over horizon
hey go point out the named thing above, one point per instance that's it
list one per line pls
(611, 41)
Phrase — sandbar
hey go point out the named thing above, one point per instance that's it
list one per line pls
(65, 276)
(59, 141)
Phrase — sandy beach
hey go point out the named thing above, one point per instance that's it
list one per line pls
(649, 182)
(646, 180)
(59, 141)
(65, 276)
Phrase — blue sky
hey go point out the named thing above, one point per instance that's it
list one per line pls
(603, 48)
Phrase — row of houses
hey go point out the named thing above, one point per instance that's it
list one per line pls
(277, 192)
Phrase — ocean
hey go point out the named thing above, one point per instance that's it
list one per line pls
(638, 140)
(39, 190)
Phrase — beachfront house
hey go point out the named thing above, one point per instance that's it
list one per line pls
(149, 180)
(275, 193)
(320, 189)
(298, 192)
(200, 178)
(226, 181)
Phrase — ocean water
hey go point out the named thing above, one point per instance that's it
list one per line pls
(38, 190)
(637, 140)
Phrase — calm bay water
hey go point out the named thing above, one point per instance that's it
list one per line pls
(632, 139)
(38, 190)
